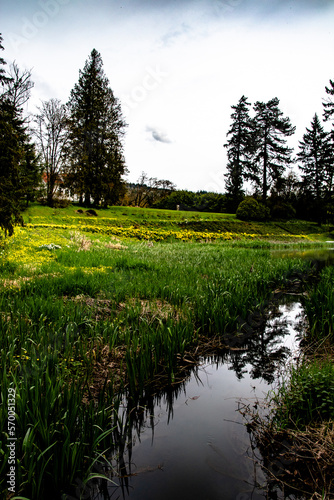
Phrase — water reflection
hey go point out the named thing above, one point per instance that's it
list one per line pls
(268, 351)
(189, 441)
(318, 256)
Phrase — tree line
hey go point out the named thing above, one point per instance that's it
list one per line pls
(260, 163)
(258, 153)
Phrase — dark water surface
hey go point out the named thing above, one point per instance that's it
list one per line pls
(192, 443)
(323, 256)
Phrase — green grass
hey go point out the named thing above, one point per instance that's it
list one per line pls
(171, 219)
(319, 307)
(307, 398)
(97, 301)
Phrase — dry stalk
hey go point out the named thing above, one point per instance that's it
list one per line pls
(298, 461)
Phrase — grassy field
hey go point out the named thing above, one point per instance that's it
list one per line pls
(95, 305)
(159, 225)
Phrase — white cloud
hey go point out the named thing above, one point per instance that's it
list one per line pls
(158, 135)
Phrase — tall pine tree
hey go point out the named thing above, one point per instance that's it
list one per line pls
(328, 104)
(238, 150)
(96, 128)
(316, 157)
(271, 155)
(18, 164)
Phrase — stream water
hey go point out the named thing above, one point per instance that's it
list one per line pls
(191, 442)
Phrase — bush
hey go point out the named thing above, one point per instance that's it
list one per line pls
(61, 203)
(91, 212)
(283, 211)
(251, 209)
(55, 203)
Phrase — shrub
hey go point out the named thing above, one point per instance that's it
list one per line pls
(251, 209)
(91, 212)
(283, 211)
(56, 202)
(61, 202)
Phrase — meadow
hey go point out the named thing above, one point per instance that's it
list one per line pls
(97, 306)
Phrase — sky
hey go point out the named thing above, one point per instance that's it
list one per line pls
(177, 67)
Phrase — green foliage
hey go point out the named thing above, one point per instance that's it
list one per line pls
(60, 202)
(257, 149)
(147, 192)
(239, 147)
(328, 104)
(319, 306)
(95, 152)
(316, 157)
(307, 398)
(283, 210)
(201, 201)
(18, 164)
(270, 153)
(252, 210)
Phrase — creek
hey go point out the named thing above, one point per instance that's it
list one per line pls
(190, 442)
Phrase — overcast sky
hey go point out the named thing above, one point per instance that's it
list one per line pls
(177, 67)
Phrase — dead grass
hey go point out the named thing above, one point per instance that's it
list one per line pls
(297, 461)
(116, 246)
(153, 309)
(16, 283)
(100, 309)
(108, 367)
(83, 243)
(148, 310)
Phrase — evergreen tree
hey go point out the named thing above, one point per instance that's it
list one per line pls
(18, 93)
(316, 157)
(96, 128)
(18, 165)
(328, 104)
(3, 78)
(238, 150)
(329, 115)
(270, 155)
(10, 157)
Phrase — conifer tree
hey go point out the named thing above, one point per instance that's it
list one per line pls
(328, 104)
(271, 154)
(316, 157)
(238, 150)
(96, 128)
(3, 78)
(10, 157)
(18, 164)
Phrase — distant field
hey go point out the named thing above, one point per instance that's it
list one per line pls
(150, 224)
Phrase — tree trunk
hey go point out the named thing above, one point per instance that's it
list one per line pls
(87, 200)
(265, 167)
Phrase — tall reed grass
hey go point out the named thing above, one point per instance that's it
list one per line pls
(319, 306)
(307, 398)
